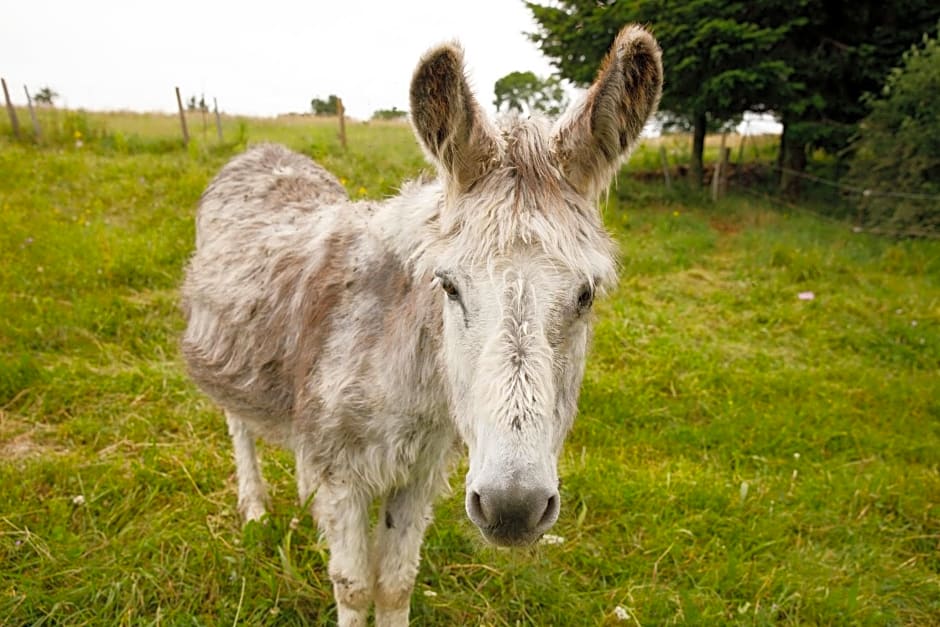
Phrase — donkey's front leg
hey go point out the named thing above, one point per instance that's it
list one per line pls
(343, 516)
(251, 492)
(397, 551)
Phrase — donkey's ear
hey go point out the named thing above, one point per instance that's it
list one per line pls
(595, 134)
(447, 118)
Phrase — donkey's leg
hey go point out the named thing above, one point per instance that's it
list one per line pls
(397, 551)
(251, 492)
(342, 513)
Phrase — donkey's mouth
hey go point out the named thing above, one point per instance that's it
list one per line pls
(510, 537)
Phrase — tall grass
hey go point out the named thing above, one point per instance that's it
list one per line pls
(742, 456)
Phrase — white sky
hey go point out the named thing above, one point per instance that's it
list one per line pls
(261, 58)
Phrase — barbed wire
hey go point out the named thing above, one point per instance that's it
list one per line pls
(815, 214)
(857, 190)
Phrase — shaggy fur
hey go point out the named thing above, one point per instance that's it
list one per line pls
(372, 339)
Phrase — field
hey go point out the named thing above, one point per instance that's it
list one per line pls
(742, 455)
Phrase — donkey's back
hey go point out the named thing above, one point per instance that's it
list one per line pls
(266, 230)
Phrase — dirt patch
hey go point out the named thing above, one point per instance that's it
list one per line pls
(20, 443)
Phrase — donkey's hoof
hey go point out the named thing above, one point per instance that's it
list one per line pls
(252, 512)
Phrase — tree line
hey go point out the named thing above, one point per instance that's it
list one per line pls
(810, 62)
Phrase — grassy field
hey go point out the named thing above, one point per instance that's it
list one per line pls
(742, 456)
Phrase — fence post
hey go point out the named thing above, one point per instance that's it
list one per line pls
(341, 112)
(218, 119)
(716, 175)
(32, 114)
(179, 103)
(662, 157)
(725, 171)
(15, 123)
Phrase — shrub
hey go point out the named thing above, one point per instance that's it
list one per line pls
(897, 150)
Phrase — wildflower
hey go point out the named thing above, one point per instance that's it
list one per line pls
(362, 191)
(549, 538)
(78, 135)
(675, 214)
(342, 181)
(796, 456)
(806, 296)
(294, 523)
(621, 613)
(913, 323)
(78, 500)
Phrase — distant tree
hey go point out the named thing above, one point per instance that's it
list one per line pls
(197, 105)
(526, 93)
(325, 107)
(898, 146)
(45, 96)
(389, 114)
(715, 53)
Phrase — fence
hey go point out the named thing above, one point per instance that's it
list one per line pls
(184, 127)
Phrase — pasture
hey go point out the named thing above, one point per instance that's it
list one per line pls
(742, 455)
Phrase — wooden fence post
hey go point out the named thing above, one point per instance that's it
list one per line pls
(662, 157)
(179, 103)
(32, 114)
(341, 112)
(15, 123)
(716, 175)
(741, 146)
(725, 171)
(218, 120)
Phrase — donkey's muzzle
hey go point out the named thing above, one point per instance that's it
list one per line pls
(514, 516)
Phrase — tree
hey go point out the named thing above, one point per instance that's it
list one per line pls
(808, 61)
(897, 150)
(389, 114)
(715, 53)
(329, 106)
(526, 93)
(839, 51)
(45, 96)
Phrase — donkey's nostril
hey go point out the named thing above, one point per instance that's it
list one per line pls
(550, 515)
(475, 509)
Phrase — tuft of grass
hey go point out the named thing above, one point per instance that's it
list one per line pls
(742, 456)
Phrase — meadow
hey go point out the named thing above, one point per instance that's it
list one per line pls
(758, 440)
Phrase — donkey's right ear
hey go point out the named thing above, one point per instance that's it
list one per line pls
(594, 135)
(448, 120)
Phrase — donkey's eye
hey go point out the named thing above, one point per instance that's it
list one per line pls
(585, 298)
(450, 289)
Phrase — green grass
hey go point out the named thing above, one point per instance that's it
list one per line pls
(741, 457)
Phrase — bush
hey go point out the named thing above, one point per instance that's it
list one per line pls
(897, 150)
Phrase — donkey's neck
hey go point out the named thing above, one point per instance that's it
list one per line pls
(409, 225)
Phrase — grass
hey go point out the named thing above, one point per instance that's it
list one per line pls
(741, 457)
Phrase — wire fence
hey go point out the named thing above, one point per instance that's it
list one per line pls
(853, 194)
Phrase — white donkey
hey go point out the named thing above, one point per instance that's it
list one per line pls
(370, 338)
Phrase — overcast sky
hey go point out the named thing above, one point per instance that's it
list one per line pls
(261, 58)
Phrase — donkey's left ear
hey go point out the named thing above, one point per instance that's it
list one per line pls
(448, 120)
(594, 135)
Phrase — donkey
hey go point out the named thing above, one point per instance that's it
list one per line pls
(372, 338)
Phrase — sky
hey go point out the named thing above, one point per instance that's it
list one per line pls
(262, 58)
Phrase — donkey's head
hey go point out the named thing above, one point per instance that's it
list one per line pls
(521, 254)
